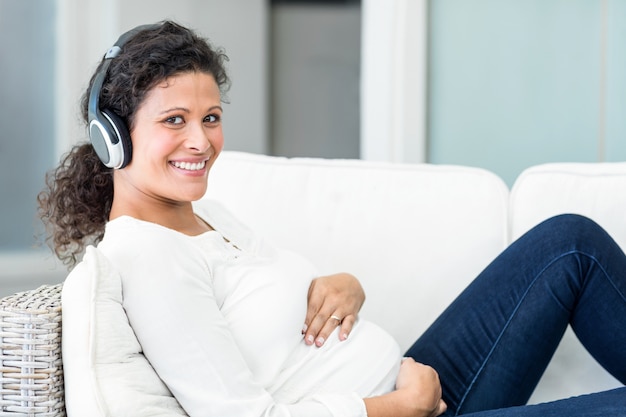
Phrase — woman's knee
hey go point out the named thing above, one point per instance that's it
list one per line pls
(572, 228)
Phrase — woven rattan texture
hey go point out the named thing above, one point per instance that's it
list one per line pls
(31, 372)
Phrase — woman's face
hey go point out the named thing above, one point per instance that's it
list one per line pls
(176, 137)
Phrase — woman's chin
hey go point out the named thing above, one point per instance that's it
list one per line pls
(192, 194)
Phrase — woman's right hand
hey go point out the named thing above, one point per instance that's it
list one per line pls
(418, 394)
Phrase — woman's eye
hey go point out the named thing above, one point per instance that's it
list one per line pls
(175, 120)
(212, 118)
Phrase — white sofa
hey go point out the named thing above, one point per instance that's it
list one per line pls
(415, 235)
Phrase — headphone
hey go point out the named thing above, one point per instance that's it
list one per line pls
(108, 133)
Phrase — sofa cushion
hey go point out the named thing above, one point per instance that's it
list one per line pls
(417, 229)
(595, 190)
(106, 373)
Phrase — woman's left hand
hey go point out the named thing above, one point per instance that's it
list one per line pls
(333, 300)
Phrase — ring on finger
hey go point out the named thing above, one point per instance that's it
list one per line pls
(336, 318)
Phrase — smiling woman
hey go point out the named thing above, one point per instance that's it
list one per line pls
(234, 325)
(172, 116)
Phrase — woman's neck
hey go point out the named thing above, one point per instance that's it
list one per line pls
(136, 202)
(176, 216)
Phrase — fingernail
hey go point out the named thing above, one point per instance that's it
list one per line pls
(309, 339)
(320, 341)
(304, 328)
(344, 336)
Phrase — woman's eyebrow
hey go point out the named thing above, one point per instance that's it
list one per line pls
(184, 109)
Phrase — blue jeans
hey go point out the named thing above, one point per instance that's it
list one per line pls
(493, 343)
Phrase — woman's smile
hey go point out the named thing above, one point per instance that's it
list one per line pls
(190, 167)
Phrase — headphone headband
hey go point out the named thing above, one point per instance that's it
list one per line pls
(108, 133)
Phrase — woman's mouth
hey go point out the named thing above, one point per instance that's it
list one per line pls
(189, 166)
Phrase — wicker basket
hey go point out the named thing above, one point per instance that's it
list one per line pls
(31, 372)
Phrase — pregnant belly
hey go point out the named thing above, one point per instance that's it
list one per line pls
(366, 363)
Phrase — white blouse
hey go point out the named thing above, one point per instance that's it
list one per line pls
(219, 316)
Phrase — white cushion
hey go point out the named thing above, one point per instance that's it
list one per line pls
(595, 190)
(415, 235)
(106, 373)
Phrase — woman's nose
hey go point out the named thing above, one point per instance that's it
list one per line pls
(198, 139)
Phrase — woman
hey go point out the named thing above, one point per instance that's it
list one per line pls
(237, 305)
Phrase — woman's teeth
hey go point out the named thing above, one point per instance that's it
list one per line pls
(189, 166)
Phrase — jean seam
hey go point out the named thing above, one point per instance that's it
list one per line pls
(606, 275)
(517, 307)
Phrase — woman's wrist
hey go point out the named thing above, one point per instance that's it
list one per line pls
(400, 403)
(393, 404)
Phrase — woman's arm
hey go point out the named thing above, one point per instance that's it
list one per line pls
(332, 300)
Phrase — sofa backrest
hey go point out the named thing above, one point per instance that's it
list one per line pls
(386, 223)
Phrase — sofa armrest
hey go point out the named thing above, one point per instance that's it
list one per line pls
(31, 372)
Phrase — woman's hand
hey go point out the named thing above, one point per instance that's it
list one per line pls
(418, 394)
(333, 300)
(422, 385)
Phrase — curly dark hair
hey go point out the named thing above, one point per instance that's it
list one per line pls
(76, 201)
